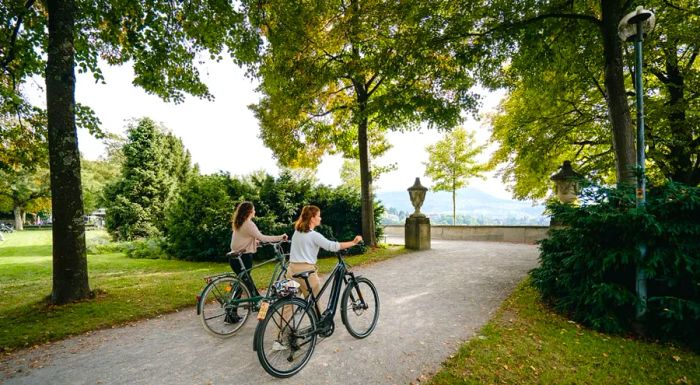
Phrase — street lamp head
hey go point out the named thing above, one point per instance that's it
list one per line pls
(567, 183)
(627, 29)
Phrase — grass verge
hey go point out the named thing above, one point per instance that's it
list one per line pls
(127, 289)
(526, 343)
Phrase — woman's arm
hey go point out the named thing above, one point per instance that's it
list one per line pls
(252, 229)
(349, 244)
(324, 243)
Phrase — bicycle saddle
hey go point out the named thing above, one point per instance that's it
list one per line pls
(303, 274)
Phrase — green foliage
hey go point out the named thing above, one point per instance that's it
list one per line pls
(24, 179)
(588, 267)
(451, 162)
(150, 248)
(328, 66)
(155, 164)
(95, 176)
(336, 76)
(350, 174)
(534, 142)
(198, 222)
(560, 84)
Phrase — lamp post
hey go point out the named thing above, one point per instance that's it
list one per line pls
(633, 27)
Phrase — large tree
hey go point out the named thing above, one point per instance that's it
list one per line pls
(155, 165)
(524, 41)
(570, 91)
(452, 161)
(335, 72)
(50, 38)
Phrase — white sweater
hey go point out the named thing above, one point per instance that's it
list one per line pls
(305, 246)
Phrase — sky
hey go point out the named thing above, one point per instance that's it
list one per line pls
(222, 135)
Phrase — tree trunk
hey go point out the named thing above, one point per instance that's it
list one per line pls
(70, 279)
(618, 109)
(454, 207)
(19, 221)
(368, 231)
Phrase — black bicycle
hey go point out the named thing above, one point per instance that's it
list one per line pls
(286, 337)
(225, 303)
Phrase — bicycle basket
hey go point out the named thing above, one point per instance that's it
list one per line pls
(286, 287)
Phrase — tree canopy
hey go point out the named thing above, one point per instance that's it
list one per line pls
(569, 95)
(155, 165)
(335, 73)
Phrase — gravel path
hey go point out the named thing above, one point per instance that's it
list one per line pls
(431, 301)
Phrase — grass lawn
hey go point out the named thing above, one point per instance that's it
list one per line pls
(526, 343)
(128, 289)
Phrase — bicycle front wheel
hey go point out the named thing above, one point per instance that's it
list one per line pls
(225, 306)
(286, 337)
(360, 307)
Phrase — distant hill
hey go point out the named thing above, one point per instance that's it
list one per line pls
(470, 201)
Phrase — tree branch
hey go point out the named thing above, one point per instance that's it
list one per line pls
(660, 75)
(15, 32)
(538, 18)
(692, 58)
(376, 86)
(679, 8)
(327, 112)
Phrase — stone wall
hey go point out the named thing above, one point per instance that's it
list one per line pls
(515, 234)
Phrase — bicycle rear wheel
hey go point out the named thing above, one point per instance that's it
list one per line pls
(360, 307)
(286, 337)
(223, 307)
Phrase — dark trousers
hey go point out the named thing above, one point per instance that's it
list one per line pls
(246, 278)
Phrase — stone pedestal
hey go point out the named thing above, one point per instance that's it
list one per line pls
(417, 234)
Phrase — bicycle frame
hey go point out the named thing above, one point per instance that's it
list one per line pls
(278, 272)
(337, 278)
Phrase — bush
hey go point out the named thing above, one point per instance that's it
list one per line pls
(198, 223)
(588, 267)
(146, 249)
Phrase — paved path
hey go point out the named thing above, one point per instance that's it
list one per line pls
(431, 302)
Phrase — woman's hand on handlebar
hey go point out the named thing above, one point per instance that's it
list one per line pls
(358, 239)
(284, 237)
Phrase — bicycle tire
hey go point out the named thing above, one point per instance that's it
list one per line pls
(218, 311)
(286, 338)
(360, 307)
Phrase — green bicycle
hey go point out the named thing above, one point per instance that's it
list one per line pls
(225, 303)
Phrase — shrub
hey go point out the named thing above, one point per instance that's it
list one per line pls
(588, 267)
(198, 223)
(146, 249)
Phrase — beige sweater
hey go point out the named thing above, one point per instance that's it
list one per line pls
(243, 238)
